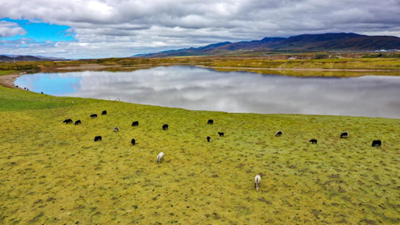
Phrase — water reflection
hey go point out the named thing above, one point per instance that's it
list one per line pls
(204, 89)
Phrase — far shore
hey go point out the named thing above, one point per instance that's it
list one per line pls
(300, 69)
(8, 80)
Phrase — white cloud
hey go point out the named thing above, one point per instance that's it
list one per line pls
(125, 27)
(8, 29)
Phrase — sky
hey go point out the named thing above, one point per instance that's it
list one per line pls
(122, 28)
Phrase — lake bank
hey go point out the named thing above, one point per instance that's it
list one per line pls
(344, 67)
(8, 81)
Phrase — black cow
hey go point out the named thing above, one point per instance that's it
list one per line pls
(313, 141)
(16, 86)
(78, 122)
(279, 133)
(376, 143)
(344, 135)
(67, 121)
(210, 122)
(97, 138)
(41, 92)
(135, 124)
(93, 116)
(133, 141)
(221, 134)
(208, 139)
(165, 127)
(104, 112)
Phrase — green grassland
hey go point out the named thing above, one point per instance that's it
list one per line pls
(54, 173)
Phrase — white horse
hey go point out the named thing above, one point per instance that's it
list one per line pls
(257, 182)
(159, 157)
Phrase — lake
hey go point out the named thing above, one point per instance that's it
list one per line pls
(197, 88)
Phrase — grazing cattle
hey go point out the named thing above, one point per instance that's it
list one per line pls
(41, 92)
(93, 116)
(221, 134)
(24, 88)
(116, 129)
(16, 86)
(104, 112)
(208, 139)
(210, 122)
(376, 143)
(67, 121)
(278, 134)
(344, 135)
(135, 124)
(97, 138)
(78, 122)
(257, 180)
(133, 141)
(313, 141)
(159, 157)
(165, 127)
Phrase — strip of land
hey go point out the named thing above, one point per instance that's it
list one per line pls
(300, 69)
(8, 80)
(343, 67)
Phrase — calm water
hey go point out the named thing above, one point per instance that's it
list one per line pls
(203, 89)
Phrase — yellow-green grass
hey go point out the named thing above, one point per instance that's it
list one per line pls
(315, 73)
(5, 72)
(371, 64)
(54, 173)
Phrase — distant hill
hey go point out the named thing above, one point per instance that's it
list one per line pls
(18, 58)
(305, 42)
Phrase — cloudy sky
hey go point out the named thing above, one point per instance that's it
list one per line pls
(121, 28)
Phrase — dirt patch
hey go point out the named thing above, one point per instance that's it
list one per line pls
(8, 80)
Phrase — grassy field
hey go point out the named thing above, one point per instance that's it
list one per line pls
(53, 173)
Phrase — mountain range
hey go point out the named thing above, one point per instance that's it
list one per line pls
(305, 42)
(19, 58)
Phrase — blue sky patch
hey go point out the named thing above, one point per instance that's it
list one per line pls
(41, 32)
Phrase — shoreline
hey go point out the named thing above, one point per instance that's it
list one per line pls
(297, 69)
(8, 81)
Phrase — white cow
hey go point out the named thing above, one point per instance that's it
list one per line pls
(257, 182)
(159, 157)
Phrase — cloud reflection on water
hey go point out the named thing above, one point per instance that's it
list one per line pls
(203, 89)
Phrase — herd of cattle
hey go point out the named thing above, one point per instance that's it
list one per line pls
(375, 143)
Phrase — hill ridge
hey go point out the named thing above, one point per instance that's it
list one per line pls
(304, 42)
